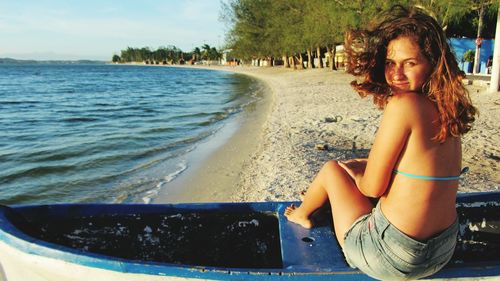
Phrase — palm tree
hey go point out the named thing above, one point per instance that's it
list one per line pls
(196, 54)
(205, 54)
(214, 54)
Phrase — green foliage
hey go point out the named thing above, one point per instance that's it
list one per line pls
(467, 25)
(210, 53)
(168, 54)
(252, 28)
(469, 55)
(273, 28)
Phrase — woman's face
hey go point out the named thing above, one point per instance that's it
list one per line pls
(406, 68)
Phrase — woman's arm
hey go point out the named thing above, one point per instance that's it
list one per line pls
(355, 168)
(391, 137)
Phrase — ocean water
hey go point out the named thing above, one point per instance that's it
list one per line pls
(107, 133)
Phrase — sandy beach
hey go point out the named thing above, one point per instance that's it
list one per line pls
(307, 118)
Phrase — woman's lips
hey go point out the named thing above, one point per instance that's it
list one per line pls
(399, 84)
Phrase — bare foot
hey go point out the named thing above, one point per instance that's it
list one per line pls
(294, 215)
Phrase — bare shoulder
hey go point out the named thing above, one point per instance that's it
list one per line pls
(409, 105)
(415, 112)
(409, 99)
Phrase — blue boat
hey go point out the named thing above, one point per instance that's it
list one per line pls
(208, 241)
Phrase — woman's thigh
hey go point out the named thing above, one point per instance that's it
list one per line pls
(347, 202)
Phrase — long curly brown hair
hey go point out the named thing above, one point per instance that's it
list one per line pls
(366, 52)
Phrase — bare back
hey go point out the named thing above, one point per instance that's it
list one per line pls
(421, 208)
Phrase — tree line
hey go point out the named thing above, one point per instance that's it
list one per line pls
(292, 32)
(166, 55)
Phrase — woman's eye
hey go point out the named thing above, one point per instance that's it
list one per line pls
(411, 63)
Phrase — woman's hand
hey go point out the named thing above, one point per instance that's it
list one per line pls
(355, 168)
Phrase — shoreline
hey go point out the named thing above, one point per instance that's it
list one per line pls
(306, 108)
(219, 160)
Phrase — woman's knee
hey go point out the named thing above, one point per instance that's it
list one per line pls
(333, 173)
(331, 166)
(330, 169)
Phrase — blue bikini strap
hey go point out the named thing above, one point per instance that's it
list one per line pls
(464, 170)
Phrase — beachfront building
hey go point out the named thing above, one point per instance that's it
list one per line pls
(463, 45)
(339, 57)
(261, 62)
(228, 59)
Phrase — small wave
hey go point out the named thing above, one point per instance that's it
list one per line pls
(191, 115)
(157, 130)
(34, 172)
(219, 116)
(103, 104)
(8, 102)
(51, 154)
(66, 91)
(129, 116)
(150, 110)
(80, 119)
(181, 167)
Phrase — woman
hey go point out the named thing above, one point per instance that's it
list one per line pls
(406, 64)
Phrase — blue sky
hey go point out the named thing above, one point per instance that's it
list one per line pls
(97, 29)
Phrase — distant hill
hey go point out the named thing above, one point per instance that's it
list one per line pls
(14, 61)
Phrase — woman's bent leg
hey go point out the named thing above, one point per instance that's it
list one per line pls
(334, 184)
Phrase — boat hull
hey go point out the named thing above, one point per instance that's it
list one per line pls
(19, 265)
(303, 254)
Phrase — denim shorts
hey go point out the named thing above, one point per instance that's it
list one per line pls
(379, 249)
